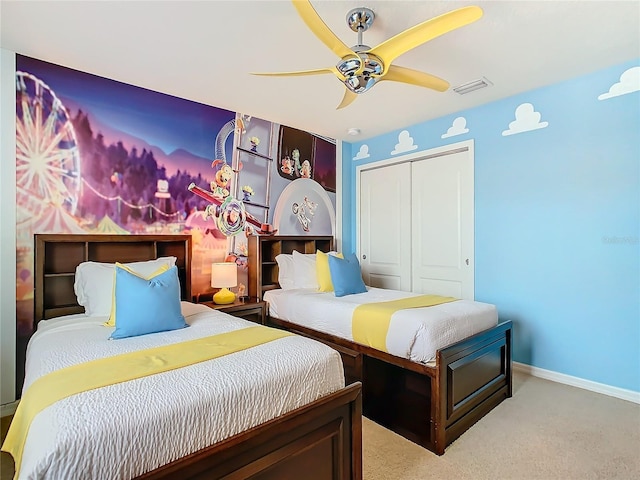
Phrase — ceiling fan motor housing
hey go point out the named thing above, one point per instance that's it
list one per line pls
(360, 83)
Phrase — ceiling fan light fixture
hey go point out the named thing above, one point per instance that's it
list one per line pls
(359, 83)
(469, 87)
(370, 64)
(361, 72)
(348, 66)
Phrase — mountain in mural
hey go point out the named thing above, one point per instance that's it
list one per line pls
(185, 161)
(179, 159)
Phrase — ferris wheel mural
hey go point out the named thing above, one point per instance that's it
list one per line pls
(47, 155)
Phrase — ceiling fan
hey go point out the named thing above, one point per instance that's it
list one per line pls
(360, 67)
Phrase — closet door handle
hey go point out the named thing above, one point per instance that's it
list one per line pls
(364, 257)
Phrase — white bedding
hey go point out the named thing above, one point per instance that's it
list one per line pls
(415, 333)
(124, 430)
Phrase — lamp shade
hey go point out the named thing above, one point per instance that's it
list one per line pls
(224, 275)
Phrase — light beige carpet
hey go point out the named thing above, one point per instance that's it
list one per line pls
(545, 431)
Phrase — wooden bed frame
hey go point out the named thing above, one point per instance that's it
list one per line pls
(322, 439)
(431, 405)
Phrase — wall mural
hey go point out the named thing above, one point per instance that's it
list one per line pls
(98, 156)
(304, 207)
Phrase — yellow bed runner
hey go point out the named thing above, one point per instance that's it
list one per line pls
(370, 321)
(75, 379)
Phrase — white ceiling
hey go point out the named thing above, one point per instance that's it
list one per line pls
(204, 51)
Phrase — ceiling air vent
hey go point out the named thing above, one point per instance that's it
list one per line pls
(471, 86)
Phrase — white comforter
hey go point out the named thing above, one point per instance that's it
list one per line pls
(124, 430)
(415, 333)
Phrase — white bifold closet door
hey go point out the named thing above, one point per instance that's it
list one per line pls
(416, 225)
(442, 226)
(385, 226)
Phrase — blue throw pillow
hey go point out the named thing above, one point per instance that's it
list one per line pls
(147, 306)
(345, 275)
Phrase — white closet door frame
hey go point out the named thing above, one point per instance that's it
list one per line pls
(465, 146)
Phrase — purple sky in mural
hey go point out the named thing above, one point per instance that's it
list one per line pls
(164, 121)
(120, 160)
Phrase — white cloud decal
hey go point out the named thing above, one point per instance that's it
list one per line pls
(527, 119)
(458, 128)
(362, 153)
(629, 83)
(405, 143)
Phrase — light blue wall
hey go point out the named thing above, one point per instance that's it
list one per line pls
(557, 221)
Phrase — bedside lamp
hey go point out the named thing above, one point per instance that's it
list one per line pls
(223, 276)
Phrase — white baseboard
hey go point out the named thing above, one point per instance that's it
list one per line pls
(7, 409)
(621, 393)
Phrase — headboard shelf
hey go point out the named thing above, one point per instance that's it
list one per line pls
(63, 258)
(56, 257)
(263, 250)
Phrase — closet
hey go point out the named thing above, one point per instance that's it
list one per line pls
(416, 221)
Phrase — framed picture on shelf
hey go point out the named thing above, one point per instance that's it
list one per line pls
(304, 155)
(324, 163)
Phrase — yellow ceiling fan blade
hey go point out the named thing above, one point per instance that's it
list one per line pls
(414, 77)
(348, 98)
(317, 26)
(390, 49)
(318, 71)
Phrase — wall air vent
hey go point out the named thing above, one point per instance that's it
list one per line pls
(471, 86)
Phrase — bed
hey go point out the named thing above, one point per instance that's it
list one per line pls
(429, 391)
(229, 417)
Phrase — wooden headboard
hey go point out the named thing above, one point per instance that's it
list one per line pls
(263, 249)
(56, 257)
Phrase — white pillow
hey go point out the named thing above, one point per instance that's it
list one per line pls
(285, 271)
(94, 283)
(304, 270)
